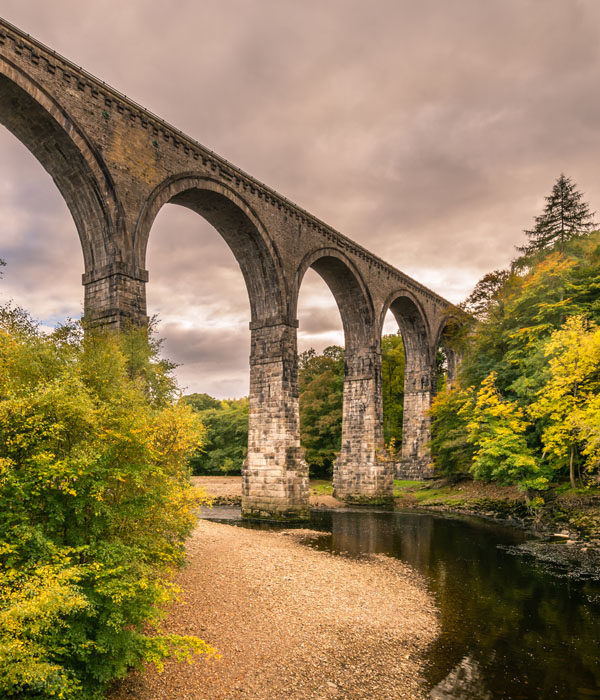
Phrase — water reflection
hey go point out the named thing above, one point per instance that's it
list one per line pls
(464, 682)
(509, 631)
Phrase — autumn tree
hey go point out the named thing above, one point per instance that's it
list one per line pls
(497, 428)
(95, 504)
(567, 403)
(451, 450)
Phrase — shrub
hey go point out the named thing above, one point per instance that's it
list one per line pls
(95, 505)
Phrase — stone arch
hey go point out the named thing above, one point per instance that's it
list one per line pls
(443, 339)
(349, 291)
(411, 318)
(240, 227)
(419, 378)
(358, 474)
(43, 126)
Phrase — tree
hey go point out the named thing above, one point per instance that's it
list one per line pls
(565, 216)
(95, 504)
(586, 423)
(497, 429)
(567, 403)
(321, 386)
(485, 293)
(225, 434)
(200, 402)
(450, 447)
(392, 386)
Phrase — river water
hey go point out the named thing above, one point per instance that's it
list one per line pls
(513, 627)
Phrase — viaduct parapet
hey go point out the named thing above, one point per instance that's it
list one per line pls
(116, 165)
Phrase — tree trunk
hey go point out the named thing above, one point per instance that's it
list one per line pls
(572, 467)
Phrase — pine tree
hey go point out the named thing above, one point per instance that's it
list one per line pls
(564, 217)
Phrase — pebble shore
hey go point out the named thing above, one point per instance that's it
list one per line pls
(291, 623)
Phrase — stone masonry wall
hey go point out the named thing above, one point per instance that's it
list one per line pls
(115, 296)
(419, 378)
(275, 475)
(361, 472)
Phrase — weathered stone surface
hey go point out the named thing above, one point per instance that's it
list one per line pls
(361, 473)
(116, 165)
(275, 475)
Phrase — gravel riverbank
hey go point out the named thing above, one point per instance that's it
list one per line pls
(291, 623)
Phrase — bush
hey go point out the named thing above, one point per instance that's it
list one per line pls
(95, 505)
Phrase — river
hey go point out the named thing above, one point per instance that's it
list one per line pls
(513, 627)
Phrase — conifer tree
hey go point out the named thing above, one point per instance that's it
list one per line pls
(565, 216)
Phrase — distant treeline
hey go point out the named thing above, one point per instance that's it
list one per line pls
(321, 383)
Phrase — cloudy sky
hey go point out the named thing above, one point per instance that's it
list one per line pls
(428, 131)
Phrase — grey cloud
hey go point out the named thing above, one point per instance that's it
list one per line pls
(214, 361)
(318, 320)
(428, 132)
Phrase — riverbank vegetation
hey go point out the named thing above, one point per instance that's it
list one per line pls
(224, 434)
(526, 407)
(95, 505)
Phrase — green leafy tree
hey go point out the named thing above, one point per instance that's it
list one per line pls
(225, 434)
(95, 505)
(486, 294)
(201, 402)
(321, 387)
(451, 450)
(496, 429)
(392, 375)
(565, 216)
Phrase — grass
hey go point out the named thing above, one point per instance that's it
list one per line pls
(422, 493)
(566, 490)
(321, 487)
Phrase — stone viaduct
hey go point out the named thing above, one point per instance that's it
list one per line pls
(116, 165)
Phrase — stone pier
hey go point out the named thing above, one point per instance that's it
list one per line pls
(362, 474)
(275, 475)
(419, 382)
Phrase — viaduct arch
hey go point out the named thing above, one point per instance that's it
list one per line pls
(116, 165)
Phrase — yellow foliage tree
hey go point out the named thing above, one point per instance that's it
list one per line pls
(568, 403)
(497, 429)
(95, 505)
